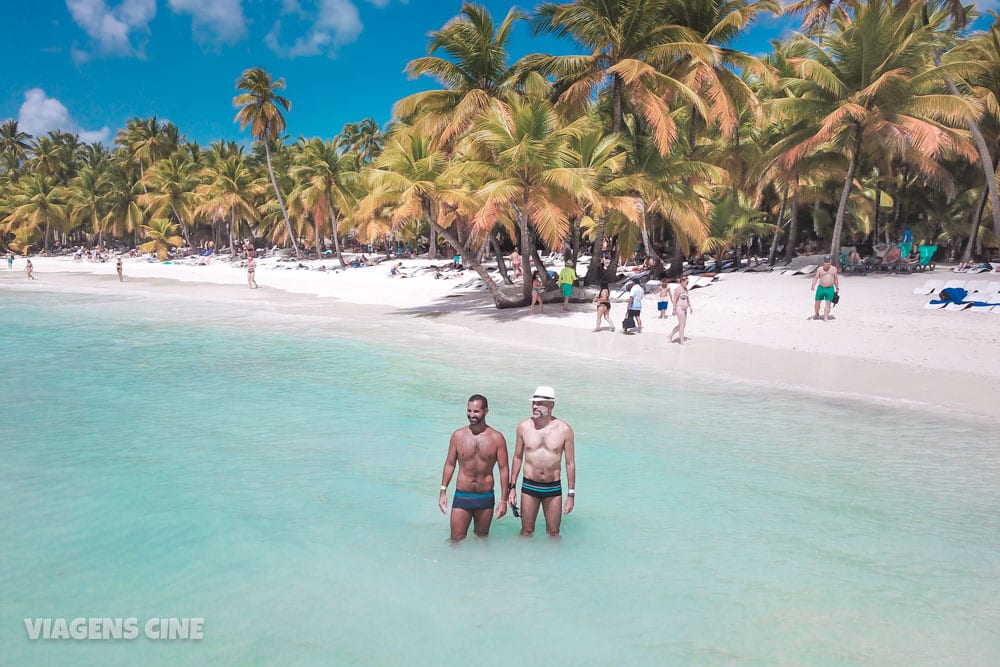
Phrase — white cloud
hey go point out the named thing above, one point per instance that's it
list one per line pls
(214, 21)
(327, 25)
(113, 28)
(41, 113)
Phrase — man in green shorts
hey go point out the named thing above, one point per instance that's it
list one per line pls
(826, 276)
(566, 279)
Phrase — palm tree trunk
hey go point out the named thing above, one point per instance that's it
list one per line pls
(232, 244)
(773, 253)
(501, 265)
(650, 252)
(281, 202)
(977, 220)
(616, 100)
(336, 236)
(838, 227)
(499, 298)
(793, 223)
(526, 241)
(595, 272)
(184, 228)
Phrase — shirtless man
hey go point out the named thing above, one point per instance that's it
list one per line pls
(541, 442)
(475, 448)
(826, 276)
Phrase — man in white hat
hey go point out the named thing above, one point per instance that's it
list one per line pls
(475, 449)
(542, 442)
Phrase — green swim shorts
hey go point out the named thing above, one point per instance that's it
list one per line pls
(567, 289)
(825, 293)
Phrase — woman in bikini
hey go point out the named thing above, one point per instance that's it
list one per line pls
(603, 301)
(682, 306)
(251, 270)
(537, 289)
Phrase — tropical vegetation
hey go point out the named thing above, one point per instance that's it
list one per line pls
(655, 137)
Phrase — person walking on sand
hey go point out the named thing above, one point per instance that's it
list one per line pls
(567, 276)
(682, 307)
(829, 285)
(475, 449)
(251, 270)
(10, 261)
(603, 301)
(515, 263)
(663, 299)
(634, 311)
(30, 270)
(118, 268)
(543, 440)
(537, 290)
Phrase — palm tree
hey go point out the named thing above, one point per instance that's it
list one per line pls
(38, 203)
(475, 73)
(88, 191)
(526, 168)
(868, 81)
(229, 193)
(326, 184)
(14, 145)
(172, 183)
(162, 235)
(123, 212)
(260, 108)
(621, 37)
(146, 140)
(364, 139)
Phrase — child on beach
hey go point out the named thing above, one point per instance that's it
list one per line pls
(663, 299)
(537, 289)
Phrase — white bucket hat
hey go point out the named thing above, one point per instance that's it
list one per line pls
(544, 393)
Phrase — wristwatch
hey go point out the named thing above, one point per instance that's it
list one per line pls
(512, 486)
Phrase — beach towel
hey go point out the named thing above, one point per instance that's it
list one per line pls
(956, 294)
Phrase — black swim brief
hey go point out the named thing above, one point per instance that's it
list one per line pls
(541, 489)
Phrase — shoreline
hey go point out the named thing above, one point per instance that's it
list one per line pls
(747, 328)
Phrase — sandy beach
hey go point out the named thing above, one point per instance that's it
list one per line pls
(883, 345)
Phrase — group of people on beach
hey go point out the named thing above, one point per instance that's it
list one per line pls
(679, 298)
(542, 442)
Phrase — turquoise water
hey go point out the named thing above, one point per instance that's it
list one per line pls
(279, 479)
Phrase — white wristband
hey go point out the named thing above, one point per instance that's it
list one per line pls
(444, 488)
(571, 492)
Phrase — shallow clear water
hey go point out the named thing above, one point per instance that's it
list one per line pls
(280, 480)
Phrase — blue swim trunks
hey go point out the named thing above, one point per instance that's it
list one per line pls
(466, 500)
(662, 305)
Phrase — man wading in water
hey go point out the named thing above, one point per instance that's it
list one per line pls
(475, 449)
(541, 442)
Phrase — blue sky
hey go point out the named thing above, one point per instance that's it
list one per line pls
(87, 66)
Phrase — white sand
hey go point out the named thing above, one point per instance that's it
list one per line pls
(753, 327)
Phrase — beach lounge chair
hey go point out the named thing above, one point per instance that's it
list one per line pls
(802, 270)
(930, 287)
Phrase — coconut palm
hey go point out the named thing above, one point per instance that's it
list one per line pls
(621, 37)
(229, 194)
(326, 184)
(123, 211)
(868, 81)
(146, 140)
(38, 203)
(14, 145)
(88, 191)
(364, 139)
(171, 185)
(162, 235)
(474, 73)
(527, 169)
(260, 108)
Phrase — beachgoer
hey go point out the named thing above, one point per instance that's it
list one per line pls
(475, 449)
(118, 268)
(30, 270)
(634, 311)
(567, 276)
(603, 301)
(543, 440)
(537, 290)
(395, 270)
(663, 299)
(826, 276)
(251, 270)
(515, 263)
(682, 307)
(10, 261)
